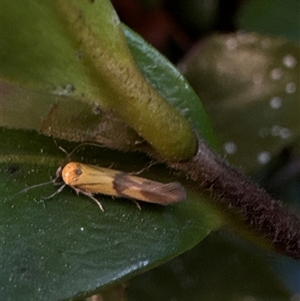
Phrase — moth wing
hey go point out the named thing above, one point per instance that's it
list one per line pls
(149, 191)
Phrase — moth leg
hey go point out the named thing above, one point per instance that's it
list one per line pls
(55, 193)
(133, 200)
(90, 195)
(137, 204)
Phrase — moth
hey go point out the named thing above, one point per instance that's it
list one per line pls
(90, 180)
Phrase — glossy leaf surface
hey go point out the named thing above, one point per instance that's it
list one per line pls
(65, 247)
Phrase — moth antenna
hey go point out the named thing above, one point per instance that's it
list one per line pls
(34, 186)
(83, 144)
(63, 150)
(76, 148)
(143, 169)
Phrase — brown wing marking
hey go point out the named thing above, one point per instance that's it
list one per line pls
(147, 190)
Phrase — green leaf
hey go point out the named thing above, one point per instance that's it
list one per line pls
(94, 66)
(65, 247)
(235, 269)
(171, 84)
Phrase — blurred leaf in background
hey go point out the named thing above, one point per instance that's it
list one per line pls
(249, 84)
(274, 18)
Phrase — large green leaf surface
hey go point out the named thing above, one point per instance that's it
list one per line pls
(65, 247)
(234, 268)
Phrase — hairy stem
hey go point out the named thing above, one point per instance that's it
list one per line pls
(239, 195)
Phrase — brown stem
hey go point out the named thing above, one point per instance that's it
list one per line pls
(238, 194)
